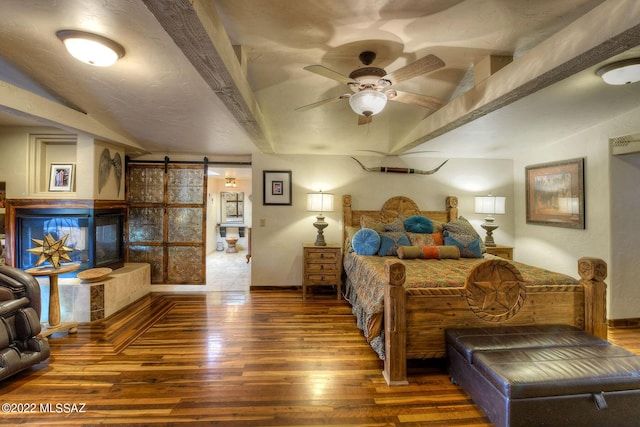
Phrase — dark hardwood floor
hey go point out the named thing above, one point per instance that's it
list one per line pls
(264, 358)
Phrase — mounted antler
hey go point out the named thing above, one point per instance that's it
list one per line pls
(384, 169)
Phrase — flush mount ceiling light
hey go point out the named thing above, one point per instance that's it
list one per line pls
(367, 102)
(91, 48)
(621, 73)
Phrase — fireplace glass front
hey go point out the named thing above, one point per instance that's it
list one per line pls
(95, 236)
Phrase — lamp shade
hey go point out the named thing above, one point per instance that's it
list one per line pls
(621, 73)
(367, 102)
(490, 204)
(91, 48)
(320, 202)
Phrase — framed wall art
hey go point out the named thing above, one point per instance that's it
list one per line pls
(555, 194)
(61, 178)
(277, 188)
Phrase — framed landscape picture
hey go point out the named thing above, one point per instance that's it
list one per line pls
(555, 194)
(277, 188)
(61, 178)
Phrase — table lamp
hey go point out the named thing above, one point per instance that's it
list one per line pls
(320, 202)
(490, 205)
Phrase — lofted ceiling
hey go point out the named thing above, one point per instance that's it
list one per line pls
(224, 77)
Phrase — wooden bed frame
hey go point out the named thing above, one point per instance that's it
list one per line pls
(415, 319)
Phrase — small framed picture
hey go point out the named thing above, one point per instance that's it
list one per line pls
(61, 178)
(277, 188)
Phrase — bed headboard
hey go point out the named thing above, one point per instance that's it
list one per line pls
(398, 205)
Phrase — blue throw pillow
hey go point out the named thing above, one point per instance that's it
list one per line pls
(418, 224)
(390, 241)
(471, 249)
(366, 241)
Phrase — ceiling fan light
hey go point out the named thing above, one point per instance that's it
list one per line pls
(91, 48)
(368, 102)
(621, 73)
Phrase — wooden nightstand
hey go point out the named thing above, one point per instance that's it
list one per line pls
(322, 266)
(505, 252)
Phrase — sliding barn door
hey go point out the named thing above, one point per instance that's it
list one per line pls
(166, 221)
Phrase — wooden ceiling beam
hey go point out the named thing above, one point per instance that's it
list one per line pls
(23, 103)
(195, 27)
(564, 54)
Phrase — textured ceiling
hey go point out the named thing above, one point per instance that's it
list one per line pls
(181, 89)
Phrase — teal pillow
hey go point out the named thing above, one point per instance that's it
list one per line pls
(471, 249)
(418, 224)
(390, 241)
(366, 242)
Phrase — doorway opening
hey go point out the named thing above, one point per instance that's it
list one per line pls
(229, 221)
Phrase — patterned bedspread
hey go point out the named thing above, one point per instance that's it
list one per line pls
(365, 282)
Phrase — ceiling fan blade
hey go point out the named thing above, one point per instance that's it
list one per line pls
(327, 72)
(415, 99)
(421, 66)
(323, 102)
(363, 120)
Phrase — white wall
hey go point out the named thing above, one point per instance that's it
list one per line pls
(277, 246)
(14, 164)
(27, 176)
(559, 249)
(625, 237)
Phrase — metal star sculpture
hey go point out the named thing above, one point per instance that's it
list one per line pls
(51, 250)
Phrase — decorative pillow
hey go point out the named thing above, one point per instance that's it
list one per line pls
(397, 225)
(418, 224)
(428, 252)
(448, 252)
(366, 242)
(372, 223)
(421, 239)
(467, 250)
(462, 230)
(389, 242)
(409, 252)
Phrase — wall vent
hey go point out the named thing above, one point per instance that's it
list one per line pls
(625, 144)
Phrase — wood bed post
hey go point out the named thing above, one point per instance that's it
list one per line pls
(395, 324)
(452, 207)
(593, 271)
(347, 216)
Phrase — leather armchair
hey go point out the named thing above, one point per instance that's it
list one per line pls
(20, 306)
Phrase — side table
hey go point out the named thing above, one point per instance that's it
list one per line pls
(54, 324)
(322, 266)
(502, 251)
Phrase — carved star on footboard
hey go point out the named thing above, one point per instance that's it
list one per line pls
(495, 290)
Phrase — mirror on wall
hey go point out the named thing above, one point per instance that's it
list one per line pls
(232, 207)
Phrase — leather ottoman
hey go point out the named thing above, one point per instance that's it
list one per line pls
(545, 375)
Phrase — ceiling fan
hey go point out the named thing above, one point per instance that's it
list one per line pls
(371, 86)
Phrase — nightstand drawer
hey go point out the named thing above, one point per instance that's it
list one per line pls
(322, 279)
(320, 255)
(311, 267)
(505, 252)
